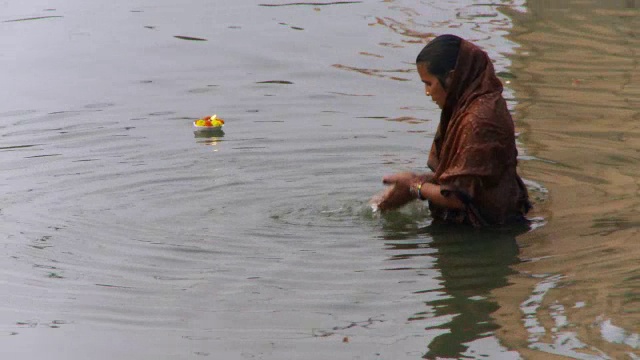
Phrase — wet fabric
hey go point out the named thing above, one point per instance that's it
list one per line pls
(473, 155)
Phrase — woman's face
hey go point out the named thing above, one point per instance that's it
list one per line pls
(432, 86)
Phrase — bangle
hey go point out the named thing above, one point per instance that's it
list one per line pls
(418, 191)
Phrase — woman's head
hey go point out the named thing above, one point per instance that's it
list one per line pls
(435, 64)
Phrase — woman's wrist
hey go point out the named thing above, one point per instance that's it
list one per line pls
(416, 188)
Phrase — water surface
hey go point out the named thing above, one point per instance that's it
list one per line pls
(128, 235)
(578, 103)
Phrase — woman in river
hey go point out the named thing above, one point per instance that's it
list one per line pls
(473, 157)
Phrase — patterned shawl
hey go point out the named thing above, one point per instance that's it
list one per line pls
(474, 155)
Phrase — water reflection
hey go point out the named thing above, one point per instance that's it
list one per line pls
(578, 107)
(210, 137)
(553, 5)
(471, 264)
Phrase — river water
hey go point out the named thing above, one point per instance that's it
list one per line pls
(128, 235)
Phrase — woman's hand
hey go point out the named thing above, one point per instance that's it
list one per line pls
(399, 192)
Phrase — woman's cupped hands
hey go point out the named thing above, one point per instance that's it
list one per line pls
(399, 191)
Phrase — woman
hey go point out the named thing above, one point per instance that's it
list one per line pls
(473, 156)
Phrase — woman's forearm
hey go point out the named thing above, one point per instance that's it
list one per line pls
(432, 193)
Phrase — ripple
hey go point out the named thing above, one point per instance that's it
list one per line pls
(15, 113)
(189, 38)
(277, 82)
(375, 72)
(313, 3)
(34, 18)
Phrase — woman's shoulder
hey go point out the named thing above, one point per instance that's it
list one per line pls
(487, 105)
(489, 110)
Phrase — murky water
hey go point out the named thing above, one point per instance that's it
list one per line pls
(127, 235)
(578, 96)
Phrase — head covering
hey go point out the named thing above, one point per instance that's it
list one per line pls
(474, 155)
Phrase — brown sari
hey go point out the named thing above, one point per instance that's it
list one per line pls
(474, 155)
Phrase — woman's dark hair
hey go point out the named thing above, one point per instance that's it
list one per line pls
(440, 55)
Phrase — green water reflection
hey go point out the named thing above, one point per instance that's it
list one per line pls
(471, 263)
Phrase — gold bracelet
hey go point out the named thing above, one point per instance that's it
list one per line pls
(418, 191)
